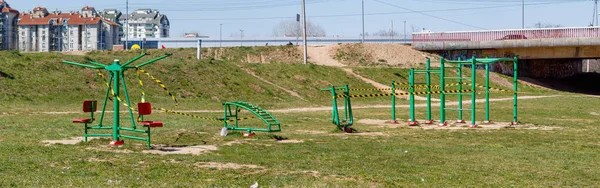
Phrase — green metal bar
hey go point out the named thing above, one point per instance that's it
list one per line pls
(442, 94)
(428, 81)
(460, 97)
(393, 101)
(134, 59)
(98, 64)
(82, 65)
(347, 92)
(99, 135)
(132, 130)
(474, 88)
(105, 101)
(134, 137)
(349, 103)
(225, 116)
(516, 89)
(154, 60)
(487, 93)
(85, 132)
(411, 82)
(335, 114)
(99, 128)
(128, 101)
(148, 141)
(116, 105)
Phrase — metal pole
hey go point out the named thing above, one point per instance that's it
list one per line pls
(473, 93)
(127, 25)
(304, 30)
(393, 102)
(392, 31)
(363, 22)
(428, 82)
(220, 35)
(460, 95)
(411, 81)
(442, 94)
(515, 83)
(596, 13)
(404, 30)
(523, 13)
(116, 104)
(487, 93)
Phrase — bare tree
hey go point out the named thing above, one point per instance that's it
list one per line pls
(385, 33)
(546, 25)
(294, 29)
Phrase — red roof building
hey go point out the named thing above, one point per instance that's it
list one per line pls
(42, 31)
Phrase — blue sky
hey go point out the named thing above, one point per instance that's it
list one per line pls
(342, 17)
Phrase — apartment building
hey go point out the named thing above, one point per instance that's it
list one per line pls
(43, 31)
(146, 23)
(8, 26)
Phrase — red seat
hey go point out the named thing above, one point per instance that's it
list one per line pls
(82, 120)
(151, 123)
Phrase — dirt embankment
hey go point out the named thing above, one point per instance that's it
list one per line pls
(397, 55)
(279, 54)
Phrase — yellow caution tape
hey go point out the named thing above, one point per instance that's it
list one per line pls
(159, 82)
(402, 94)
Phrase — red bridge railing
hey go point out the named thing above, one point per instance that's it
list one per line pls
(546, 33)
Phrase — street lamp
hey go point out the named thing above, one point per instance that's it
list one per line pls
(363, 22)
(523, 13)
(221, 35)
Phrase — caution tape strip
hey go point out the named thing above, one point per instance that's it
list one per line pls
(198, 117)
(159, 82)
(163, 109)
(402, 94)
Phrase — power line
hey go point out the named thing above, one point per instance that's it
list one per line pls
(460, 23)
(352, 15)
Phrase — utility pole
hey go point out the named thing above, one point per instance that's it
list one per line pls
(392, 31)
(304, 30)
(523, 13)
(127, 25)
(405, 30)
(241, 37)
(596, 11)
(220, 35)
(363, 22)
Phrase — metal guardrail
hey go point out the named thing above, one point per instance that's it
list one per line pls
(517, 34)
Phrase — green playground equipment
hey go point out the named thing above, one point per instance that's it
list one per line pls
(343, 124)
(230, 118)
(427, 85)
(473, 62)
(117, 79)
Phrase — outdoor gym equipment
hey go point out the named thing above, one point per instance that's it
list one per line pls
(231, 110)
(348, 120)
(117, 78)
(411, 80)
(473, 62)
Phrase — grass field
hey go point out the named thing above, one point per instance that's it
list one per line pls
(557, 145)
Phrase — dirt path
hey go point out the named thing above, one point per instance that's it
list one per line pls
(293, 93)
(321, 55)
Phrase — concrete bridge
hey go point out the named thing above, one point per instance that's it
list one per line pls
(551, 43)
